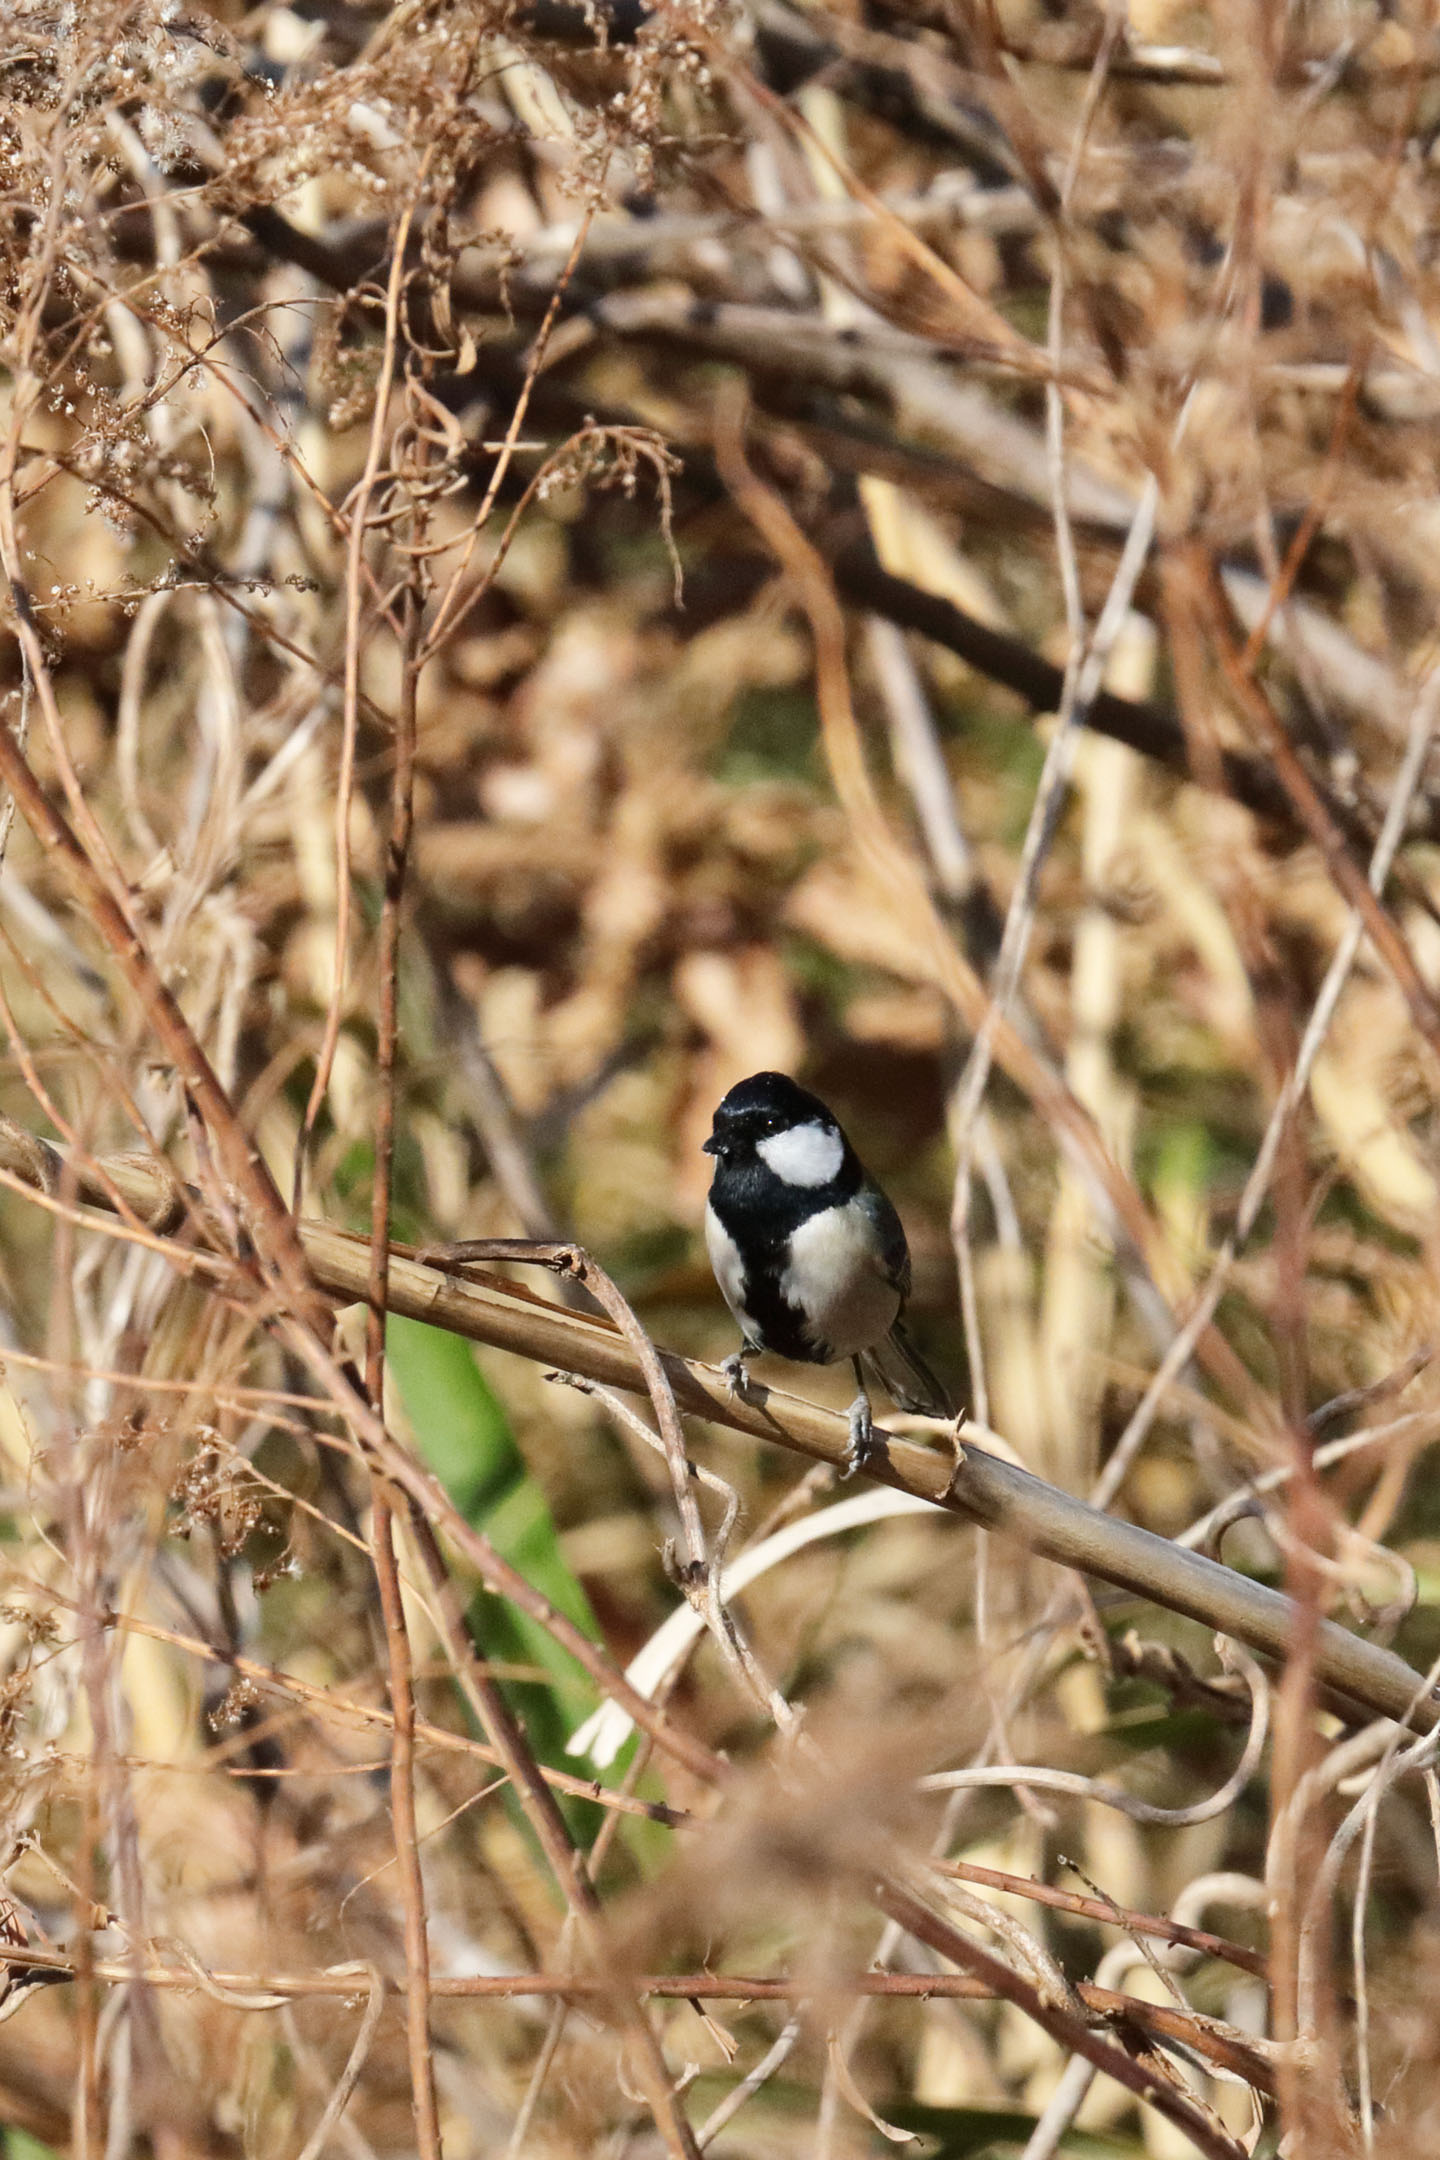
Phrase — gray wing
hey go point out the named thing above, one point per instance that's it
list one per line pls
(896, 1362)
(890, 1236)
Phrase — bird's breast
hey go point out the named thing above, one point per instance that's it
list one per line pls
(836, 1279)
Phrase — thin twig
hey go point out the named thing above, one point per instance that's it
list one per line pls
(566, 1863)
(349, 2077)
(1114, 1194)
(266, 1991)
(1169, 2099)
(359, 511)
(1424, 717)
(271, 1226)
(700, 1577)
(982, 1487)
(1389, 941)
(325, 1701)
(1040, 1779)
(774, 2058)
(1100, 1909)
(382, 1512)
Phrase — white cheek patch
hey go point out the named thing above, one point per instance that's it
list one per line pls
(805, 1155)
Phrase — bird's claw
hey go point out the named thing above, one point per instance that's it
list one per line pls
(862, 1445)
(736, 1377)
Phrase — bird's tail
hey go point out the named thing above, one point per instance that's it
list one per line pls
(906, 1378)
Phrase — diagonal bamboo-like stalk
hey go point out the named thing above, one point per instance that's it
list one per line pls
(981, 1487)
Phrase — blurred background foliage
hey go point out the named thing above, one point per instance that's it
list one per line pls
(979, 290)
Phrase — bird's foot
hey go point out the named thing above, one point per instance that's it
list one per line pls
(862, 1445)
(737, 1377)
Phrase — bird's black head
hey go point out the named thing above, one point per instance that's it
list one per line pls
(768, 1120)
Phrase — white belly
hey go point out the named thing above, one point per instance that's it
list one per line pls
(836, 1280)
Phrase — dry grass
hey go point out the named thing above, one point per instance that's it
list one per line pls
(536, 541)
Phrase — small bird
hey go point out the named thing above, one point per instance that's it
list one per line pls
(809, 1252)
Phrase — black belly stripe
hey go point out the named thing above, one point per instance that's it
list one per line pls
(778, 1325)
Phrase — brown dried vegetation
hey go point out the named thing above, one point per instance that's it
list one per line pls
(557, 555)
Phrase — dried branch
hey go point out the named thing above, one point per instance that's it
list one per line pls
(382, 1524)
(1092, 1908)
(1148, 2084)
(981, 1486)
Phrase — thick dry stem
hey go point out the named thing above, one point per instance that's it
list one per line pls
(981, 1487)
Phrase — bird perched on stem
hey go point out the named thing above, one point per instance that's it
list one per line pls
(808, 1250)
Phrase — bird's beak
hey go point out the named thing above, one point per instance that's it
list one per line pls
(710, 1146)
